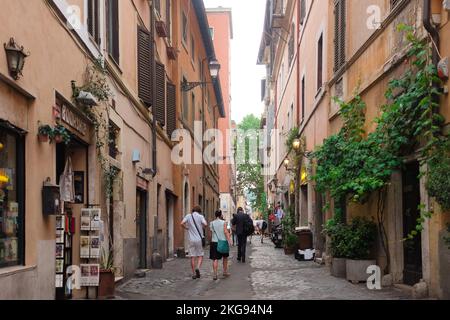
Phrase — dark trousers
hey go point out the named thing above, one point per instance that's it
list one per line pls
(242, 246)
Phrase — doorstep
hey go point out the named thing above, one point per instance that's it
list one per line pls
(405, 288)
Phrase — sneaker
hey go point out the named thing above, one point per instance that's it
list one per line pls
(197, 273)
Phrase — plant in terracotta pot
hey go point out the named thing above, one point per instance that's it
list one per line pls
(45, 132)
(106, 289)
(61, 134)
(362, 234)
(290, 239)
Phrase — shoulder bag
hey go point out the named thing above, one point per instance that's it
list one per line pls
(222, 245)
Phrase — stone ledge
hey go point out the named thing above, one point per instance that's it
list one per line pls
(5, 272)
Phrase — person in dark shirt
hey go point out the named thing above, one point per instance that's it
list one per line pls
(239, 220)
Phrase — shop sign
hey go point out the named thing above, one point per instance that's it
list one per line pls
(68, 116)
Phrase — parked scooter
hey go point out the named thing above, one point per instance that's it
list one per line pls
(277, 236)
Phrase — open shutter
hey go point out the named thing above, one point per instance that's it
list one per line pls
(145, 66)
(160, 94)
(171, 109)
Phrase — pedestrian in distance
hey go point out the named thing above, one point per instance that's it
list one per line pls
(244, 228)
(194, 224)
(220, 244)
(233, 231)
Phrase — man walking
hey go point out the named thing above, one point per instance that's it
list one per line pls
(194, 224)
(242, 221)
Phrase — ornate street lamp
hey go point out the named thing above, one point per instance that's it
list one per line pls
(286, 163)
(15, 56)
(214, 68)
(296, 144)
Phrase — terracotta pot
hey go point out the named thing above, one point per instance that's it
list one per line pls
(58, 138)
(43, 138)
(106, 288)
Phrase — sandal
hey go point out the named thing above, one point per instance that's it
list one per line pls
(215, 277)
(194, 277)
(226, 275)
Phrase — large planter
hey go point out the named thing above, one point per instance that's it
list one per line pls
(339, 267)
(357, 270)
(107, 285)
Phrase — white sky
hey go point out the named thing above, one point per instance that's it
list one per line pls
(248, 21)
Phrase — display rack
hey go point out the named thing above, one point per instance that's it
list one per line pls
(65, 228)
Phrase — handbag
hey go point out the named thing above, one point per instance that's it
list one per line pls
(67, 184)
(222, 245)
(201, 236)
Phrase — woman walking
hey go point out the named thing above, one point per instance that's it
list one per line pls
(220, 244)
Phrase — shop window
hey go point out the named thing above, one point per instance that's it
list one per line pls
(11, 198)
(113, 141)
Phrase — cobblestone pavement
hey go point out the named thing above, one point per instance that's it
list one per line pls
(268, 275)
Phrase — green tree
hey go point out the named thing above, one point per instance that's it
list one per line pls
(249, 174)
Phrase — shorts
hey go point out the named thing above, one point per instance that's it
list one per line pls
(216, 255)
(196, 249)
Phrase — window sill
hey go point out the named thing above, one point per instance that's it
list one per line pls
(9, 271)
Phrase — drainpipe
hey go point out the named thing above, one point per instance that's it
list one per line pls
(434, 32)
(154, 124)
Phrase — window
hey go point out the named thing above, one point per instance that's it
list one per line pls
(113, 141)
(192, 109)
(211, 32)
(184, 26)
(394, 3)
(158, 6)
(171, 109)
(159, 110)
(11, 198)
(303, 98)
(302, 11)
(185, 103)
(145, 66)
(93, 19)
(292, 44)
(112, 29)
(339, 34)
(169, 18)
(320, 63)
(192, 48)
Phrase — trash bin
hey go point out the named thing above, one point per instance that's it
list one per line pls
(305, 238)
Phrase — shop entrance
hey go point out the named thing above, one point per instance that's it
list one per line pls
(77, 151)
(412, 272)
(141, 227)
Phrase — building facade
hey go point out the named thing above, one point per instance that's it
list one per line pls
(348, 48)
(221, 27)
(108, 79)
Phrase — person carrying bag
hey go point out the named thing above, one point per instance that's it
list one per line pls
(220, 244)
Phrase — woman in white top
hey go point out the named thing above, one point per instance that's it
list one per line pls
(219, 231)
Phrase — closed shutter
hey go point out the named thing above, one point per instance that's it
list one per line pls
(339, 33)
(171, 109)
(145, 65)
(160, 94)
(394, 3)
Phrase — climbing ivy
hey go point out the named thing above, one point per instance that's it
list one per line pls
(354, 164)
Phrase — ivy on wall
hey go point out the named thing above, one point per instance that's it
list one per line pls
(353, 164)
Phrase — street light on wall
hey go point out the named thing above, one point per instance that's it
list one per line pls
(15, 56)
(296, 144)
(214, 68)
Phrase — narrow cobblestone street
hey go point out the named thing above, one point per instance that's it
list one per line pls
(268, 275)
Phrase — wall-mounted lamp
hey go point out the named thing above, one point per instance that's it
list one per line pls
(286, 162)
(214, 68)
(296, 144)
(15, 55)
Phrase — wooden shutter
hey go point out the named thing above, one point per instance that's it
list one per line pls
(93, 19)
(339, 33)
(171, 123)
(145, 66)
(113, 29)
(160, 94)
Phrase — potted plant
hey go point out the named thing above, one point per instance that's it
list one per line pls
(106, 289)
(289, 237)
(44, 133)
(61, 134)
(337, 233)
(362, 234)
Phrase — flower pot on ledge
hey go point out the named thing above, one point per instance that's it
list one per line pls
(43, 138)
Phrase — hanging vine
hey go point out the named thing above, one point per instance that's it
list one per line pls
(354, 164)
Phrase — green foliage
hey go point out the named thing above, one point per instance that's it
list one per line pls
(95, 81)
(354, 241)
(249, 177)
(354, 165)
(61, 132)
(289, 236)
(45, 130)
(447, 239)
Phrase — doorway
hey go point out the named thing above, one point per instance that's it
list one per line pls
(141, 227)
(169, 224)
(412, 272)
